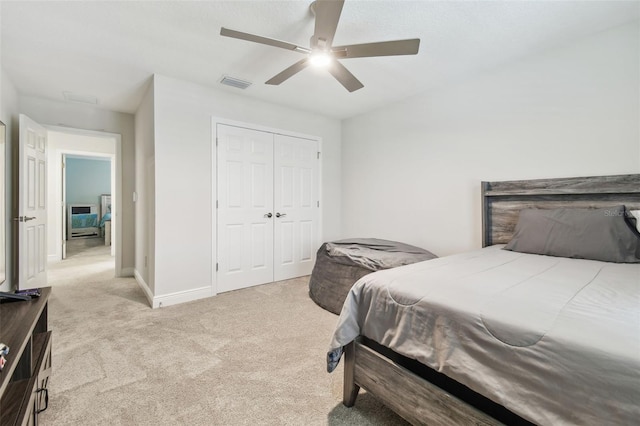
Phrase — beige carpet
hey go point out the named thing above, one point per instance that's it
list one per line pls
(253, 356)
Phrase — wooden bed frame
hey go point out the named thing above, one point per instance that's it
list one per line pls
(418, 393)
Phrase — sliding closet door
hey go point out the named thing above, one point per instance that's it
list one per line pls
(296, 206)
(245, 207)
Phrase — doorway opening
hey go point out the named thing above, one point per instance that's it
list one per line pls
(84, 190)
(86, 197)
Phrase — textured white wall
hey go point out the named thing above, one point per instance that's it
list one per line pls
(412, 170)
(9, 116)
(144, 206)
(184, 174)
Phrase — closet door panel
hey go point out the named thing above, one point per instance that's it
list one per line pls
(296, 190)
(245, 199)
(308, 245)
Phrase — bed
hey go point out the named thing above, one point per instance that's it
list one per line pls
(497, 335)
(82, 221)
(339, 264)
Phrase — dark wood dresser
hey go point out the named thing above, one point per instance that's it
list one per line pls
(24, 378)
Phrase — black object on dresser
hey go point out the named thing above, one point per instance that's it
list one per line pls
(24, 378)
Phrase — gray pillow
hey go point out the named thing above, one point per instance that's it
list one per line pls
(596, 234)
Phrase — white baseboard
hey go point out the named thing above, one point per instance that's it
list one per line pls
(171, 298)
(52, 258)
(143, 285)
(181, 297)
(128, 272)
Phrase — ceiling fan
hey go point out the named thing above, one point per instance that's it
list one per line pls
(322, 52)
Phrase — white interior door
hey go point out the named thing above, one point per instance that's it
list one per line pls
(245, 207)
(296, 206)
(32, 208)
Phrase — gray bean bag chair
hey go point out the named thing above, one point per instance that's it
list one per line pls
(339, 264)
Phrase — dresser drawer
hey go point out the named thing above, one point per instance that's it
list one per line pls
(39, 400)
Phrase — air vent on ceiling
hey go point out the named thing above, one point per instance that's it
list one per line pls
(79, 98)
(235, 82)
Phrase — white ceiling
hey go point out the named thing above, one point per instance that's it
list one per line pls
(110, 49)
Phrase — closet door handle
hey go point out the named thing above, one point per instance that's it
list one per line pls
(281, 215)
(268, 215)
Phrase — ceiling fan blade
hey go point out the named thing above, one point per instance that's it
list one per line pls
(289, 72)
(262, 40)
(327, 16)
(383, 48)
(348, 80)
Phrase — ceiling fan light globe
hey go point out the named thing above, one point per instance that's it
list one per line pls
(320, 59)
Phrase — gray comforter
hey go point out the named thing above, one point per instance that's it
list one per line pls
(555, 340)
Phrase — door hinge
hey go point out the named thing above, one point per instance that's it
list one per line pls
(216, 141)
(216, 267)
(318, 203)
(216, 204)
(318, 155)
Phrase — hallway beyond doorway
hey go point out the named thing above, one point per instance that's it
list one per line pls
(87, 247)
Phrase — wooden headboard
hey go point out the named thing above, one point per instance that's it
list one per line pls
(502, 201)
